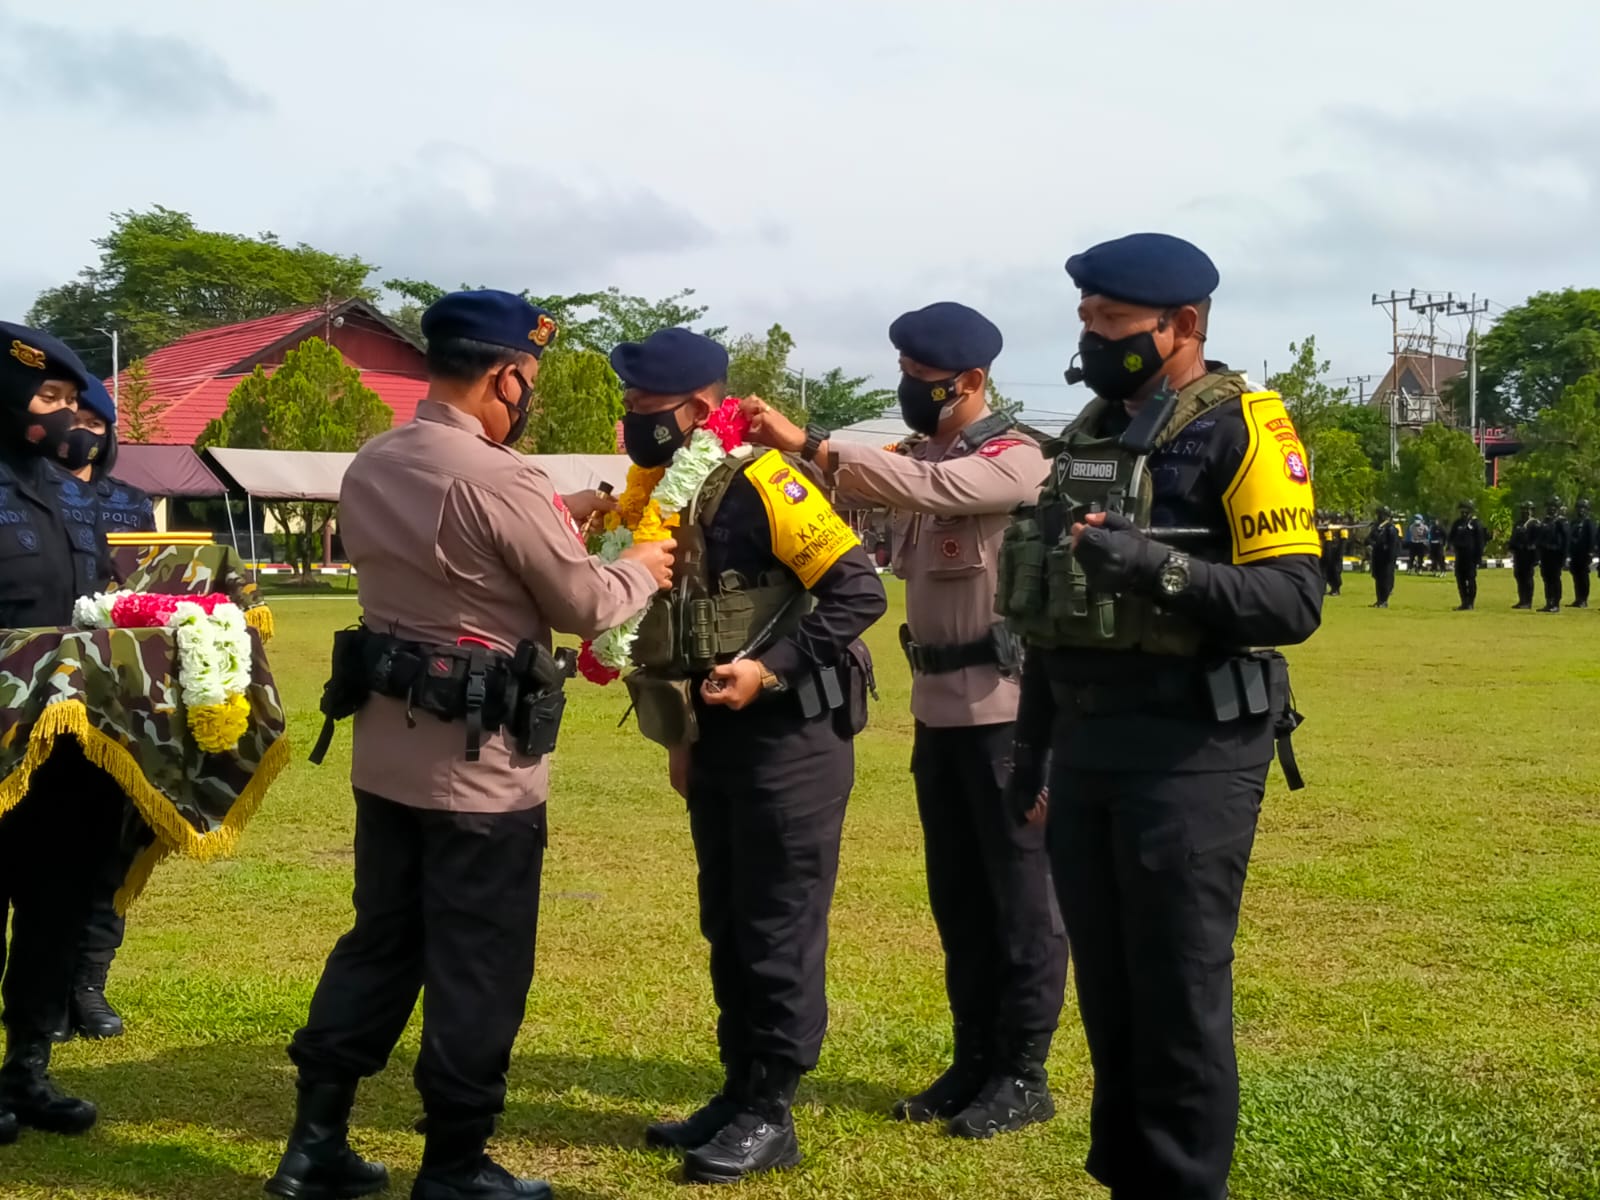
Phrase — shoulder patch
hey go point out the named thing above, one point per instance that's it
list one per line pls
(999, 446)
(808, 537)
(1269, 505)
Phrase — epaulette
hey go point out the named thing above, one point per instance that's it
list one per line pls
(979, 432)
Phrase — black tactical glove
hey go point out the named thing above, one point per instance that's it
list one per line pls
(1030, 767)
(1116, 557)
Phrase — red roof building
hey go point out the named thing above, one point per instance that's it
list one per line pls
(193, 377)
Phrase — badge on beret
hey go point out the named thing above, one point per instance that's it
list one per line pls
(543, 332)
(28, 356)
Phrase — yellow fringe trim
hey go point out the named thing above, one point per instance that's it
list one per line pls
(260, 619)
(173, 833)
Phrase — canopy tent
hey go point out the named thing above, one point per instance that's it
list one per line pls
(167, 471)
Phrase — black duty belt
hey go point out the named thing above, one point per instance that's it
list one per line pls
(996, 647)
(1247, 687)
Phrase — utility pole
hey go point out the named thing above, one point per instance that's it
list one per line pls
(1431, 306)
(1472, 310)
(1393, 303)
(1361, 382)
(116, 366)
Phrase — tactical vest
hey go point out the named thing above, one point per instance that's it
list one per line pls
(21, 562)
(1043, 593)
(702, 621)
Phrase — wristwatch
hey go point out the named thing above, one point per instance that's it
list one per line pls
(1174, 575)
(815, 436)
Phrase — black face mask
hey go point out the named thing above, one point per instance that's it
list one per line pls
(651, 439)
(80, 448)
(520, 411)
(57, 427)
(923, 404)
(1118, 369)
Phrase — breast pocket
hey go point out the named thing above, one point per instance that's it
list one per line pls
(961, 547)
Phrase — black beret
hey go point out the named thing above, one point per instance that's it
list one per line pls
(946, 335)
(497, 318)
(28, 357)
(1154, 270)
(670, 362)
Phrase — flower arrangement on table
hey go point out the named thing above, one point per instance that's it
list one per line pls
(214, 654)
(648, 511)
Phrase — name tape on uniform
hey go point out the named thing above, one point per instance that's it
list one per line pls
(808, 537)
(1269, 504)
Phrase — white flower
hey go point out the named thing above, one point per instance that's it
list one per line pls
(690, 467)
(213, 652)
(613, 542)
(614, 645)
(93, 612)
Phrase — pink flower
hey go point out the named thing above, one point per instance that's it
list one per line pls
(729, 424)
(592, 669)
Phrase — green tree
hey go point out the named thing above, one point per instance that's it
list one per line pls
(160, 277)
(1533, 354)
(835, 400)
(1439, 468)
(760, 367)
(1561, 449)
(1370, 425)
(577, 404)
(314, 401)
(1342, 478)
(999, 402)
(1313, 403)
(138, 412)
(600, 320)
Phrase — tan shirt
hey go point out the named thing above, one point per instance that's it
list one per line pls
(452, 536)
(951, 506)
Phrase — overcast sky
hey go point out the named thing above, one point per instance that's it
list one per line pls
(829, 164)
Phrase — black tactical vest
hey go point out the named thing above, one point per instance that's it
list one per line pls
(1043, 593)
(48, 557)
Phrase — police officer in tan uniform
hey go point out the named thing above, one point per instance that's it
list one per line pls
(952, 487)
(467, 561)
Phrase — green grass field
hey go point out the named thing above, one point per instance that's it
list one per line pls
(1418, 985)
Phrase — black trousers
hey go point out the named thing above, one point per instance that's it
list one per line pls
(767, 847)
(1333, 569)
(104, 929)
(51, 845)
(1005, 947)
(1383, 578)
(1580, 582)
(1522, 567)
(1550, 568)
(1467, 580)
(1150, 870)
(446, 904)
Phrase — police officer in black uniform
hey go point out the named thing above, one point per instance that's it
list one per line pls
(59, 834)
(1140, 687)
(1383, 543)
(1582, 531)
(768, 777)
(1524, 547)
(1554, 544)
(92, 457)
(1467, 538)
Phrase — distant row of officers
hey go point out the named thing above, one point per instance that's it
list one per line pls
(1549, 546)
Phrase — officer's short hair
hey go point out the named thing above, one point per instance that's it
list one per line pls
(1203, 307)
(466, 360)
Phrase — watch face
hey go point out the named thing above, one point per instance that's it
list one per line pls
(1174, 576)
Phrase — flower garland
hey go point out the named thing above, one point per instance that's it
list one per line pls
(648, 511)
(213, 641)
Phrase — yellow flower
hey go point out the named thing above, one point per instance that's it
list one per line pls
(217, 728)
(653, 527)
(641, 482)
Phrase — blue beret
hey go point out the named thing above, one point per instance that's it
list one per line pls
(1154, 270)
(498, 318)
(670, 362)
(946, 335)
(98, 400)
(28, 357)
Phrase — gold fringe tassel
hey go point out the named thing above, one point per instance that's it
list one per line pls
(173, 833)
(260, 619)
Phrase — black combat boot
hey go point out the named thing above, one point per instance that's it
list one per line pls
(456, 1165)
(1016, 1095)
(91, 1013)
(956, 1088)
(760, 1137)
(27, 1090)
(318, 1163)
(8, 1126)
(700, 1126)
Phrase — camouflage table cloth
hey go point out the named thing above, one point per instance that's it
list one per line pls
(117, 692)
(189, 570)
